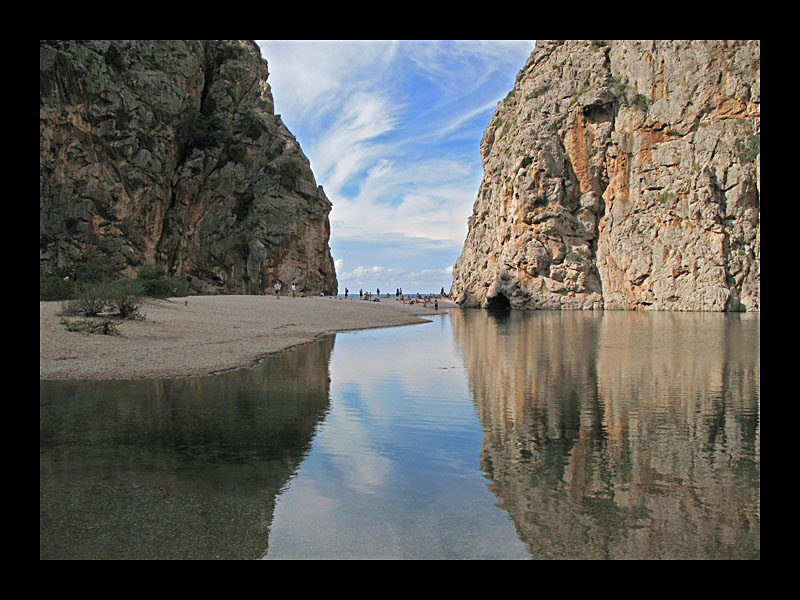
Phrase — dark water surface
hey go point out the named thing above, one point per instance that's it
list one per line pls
(541, 435)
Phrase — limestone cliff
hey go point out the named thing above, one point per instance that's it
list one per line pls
(621, 175)
(170, 152)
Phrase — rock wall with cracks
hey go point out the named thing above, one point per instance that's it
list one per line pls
(621, 175)
(170, 152)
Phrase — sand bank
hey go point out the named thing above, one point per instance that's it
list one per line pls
(203, 335)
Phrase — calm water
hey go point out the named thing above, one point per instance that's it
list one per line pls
(522, 435)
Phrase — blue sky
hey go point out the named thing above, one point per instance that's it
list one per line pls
(392, 130)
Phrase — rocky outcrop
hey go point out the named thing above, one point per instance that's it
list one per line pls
(621, 175)
(170, 152)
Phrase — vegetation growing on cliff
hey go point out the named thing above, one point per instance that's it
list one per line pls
(747, 150)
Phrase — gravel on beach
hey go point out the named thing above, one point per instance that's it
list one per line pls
(204, 335)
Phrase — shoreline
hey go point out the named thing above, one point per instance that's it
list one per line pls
(208, 335)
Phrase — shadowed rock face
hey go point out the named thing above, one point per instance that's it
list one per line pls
(170, 152)
(621, 175)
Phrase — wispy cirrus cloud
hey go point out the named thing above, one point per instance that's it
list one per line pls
(352, 145)
(392, 131)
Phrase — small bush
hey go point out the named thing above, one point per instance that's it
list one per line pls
(151, 271)
(621, 87)
(746, 151)
(104, 327)
(94, 270)
(121, 298)
(642, 102)
(124, 298)
(63, 283)
(227, 50)
(506, 128)
(197, 130)
(55, 287)
(154, 281)
(288, 171)
(253, 127)
(89, 301)
(86, 296)
(540, 90)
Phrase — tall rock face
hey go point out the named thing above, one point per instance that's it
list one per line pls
(170, 152)
(621, 175)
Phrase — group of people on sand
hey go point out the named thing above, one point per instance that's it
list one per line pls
(400, 297)
(424, 300)
(277, 287)
(368, 296)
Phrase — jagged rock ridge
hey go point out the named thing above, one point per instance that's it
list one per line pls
(170, 152)
(621, 175)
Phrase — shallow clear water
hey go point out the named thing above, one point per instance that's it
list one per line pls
(512, 435)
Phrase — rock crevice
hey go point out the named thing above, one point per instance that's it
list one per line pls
(170, 152)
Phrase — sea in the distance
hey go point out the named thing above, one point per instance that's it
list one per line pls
(515, 435)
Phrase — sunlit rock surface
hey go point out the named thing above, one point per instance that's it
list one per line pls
(621, 175)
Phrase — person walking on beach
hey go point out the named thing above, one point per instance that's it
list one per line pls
(293, 289)
(278, 289)
(345, 293)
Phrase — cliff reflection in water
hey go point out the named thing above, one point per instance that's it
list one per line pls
(175, 468)
(620, 434)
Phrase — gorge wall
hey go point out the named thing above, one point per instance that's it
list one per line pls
(621, 175)
(170, 152)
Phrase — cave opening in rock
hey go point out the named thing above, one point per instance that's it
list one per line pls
(498, 302)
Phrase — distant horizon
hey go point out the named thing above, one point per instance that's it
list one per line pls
(392, 292)
(392, 130)
(383, 292)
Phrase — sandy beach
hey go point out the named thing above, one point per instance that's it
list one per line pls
(204, 335)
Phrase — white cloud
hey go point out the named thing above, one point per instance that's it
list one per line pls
(349, 146)
(447, 128)
(392, 132)
(362, 273)
(385, 278)
(432, 199)
(310, 77)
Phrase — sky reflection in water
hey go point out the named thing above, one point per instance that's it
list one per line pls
(516, 435)
(601, 435)
(394, 471)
